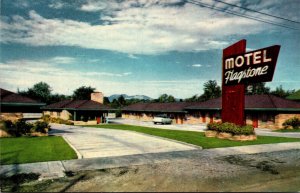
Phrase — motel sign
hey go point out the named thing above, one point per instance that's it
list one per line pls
(239, 68)
(251, 67)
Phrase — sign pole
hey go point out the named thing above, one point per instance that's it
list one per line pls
(233, 96)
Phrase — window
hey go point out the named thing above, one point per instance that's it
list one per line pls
(264, 117)
(218, 115)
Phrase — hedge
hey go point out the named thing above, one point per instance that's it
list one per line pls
(231, 128)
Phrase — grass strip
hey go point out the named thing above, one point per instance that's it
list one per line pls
(196, 138)
(34, 149)
(288, 130)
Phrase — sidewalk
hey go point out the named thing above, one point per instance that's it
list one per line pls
(54, 169)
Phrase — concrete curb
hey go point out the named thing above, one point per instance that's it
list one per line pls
(79, 156)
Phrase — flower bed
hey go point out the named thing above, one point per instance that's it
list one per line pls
(22, 128)
(230, 131)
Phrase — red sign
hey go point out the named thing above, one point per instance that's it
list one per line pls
(233, 96)
(239, 68)
(255, 66)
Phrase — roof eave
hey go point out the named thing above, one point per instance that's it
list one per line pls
(159, 111)
(196, 108)
(22, 104)
(76, 109)
(273, 109)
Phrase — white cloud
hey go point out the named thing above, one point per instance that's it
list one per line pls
(24, 74)
(132, 56)
(56, 5)
(62, 60)
(93, 6)
(197, 65)
(134, 27)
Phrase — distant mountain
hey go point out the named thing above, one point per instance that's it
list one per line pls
(141, 97)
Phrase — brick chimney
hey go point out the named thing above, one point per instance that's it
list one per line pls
(97, 97)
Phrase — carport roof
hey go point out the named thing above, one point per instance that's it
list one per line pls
(11, 98)
(77, 105)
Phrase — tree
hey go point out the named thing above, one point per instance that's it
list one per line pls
(40, 91)
(54, 98)
(171, 99)
(192, 99)
(106, 101)
(164, 98)
(83, 93)
(121, 100)
(115, 104)
(211, 90)
(280, 92)
(257, 88)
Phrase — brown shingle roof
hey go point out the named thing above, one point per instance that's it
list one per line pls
(252, 102)
(11, 97)
(78, 105)
(158, 107)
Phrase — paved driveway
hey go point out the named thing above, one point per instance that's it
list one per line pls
(96, 142)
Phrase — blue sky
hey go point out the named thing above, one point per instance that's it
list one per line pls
(137, 47)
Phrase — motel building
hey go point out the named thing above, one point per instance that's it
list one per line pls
(261, 111)
(82, 112)
(14, 106)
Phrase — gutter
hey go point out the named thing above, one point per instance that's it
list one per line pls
(252, 109)
(22, 104)
(74, 109)
(159, 111)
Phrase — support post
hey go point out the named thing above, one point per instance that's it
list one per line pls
(233, 97)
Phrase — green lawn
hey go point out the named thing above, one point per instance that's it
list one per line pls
(288, 130)
(34, 149)
(196, 138)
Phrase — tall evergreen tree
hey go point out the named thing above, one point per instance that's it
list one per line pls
(83, 93)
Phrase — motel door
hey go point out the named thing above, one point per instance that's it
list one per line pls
(98, 120)
(203, 118)
(211, 118)
(254, 121)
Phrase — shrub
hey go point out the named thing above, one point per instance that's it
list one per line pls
(22, 128)
(46, 118)
(214, 126)
(41, 126)
(292, 122)
(49, 119)
(8, 124)
(231, 128)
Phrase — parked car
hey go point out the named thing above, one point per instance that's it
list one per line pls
(162, 119)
